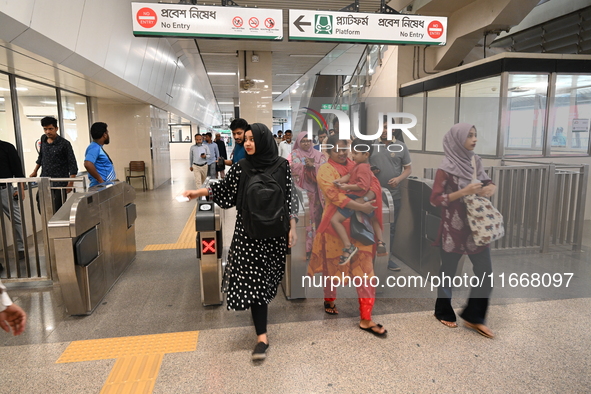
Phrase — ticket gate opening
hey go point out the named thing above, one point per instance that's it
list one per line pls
(296, 265)
(417, 228)
(380, 263)
(93, 239)
(208, 224)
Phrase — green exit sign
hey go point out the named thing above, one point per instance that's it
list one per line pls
(342, 107)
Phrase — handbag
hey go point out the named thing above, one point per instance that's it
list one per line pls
(485, 221)
(361, 228)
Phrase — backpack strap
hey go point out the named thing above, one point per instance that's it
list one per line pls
(276, 165)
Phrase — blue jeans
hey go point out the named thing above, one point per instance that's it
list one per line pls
(475, 310)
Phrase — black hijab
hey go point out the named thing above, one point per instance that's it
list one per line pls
(265, 148)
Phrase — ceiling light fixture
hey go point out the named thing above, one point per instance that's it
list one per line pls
(216, 73)
(226, 102)
(289, 75)
(307, 55)
(276, 92)
(219, 54)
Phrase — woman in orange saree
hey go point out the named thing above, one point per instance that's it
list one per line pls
(326, 249)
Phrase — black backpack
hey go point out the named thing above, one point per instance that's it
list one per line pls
(263, 201)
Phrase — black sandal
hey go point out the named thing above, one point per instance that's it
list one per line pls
(377, 334)
(351, 250)
(331, 310)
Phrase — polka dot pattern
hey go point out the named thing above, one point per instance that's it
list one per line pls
(255, 266)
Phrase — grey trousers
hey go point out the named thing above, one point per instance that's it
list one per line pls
(6, 200)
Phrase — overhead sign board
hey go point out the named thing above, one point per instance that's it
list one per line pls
(356, 27)
(185, 20)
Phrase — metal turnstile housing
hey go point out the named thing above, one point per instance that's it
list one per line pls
(93, 239)
(208, 224)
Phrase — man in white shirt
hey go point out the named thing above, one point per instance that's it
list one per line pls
(214, 155)
(12, 317)
(198, 160)
(285, 146)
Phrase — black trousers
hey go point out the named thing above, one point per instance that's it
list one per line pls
(475, 310)
(58, 196)
(259, 317)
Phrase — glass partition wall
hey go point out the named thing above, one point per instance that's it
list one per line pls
(516, 114)
(34, 102)
(6, 119)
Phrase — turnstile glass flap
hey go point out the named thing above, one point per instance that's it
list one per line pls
(131, 211)
(87, 247)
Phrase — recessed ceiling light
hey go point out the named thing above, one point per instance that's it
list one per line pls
(216, 73)
(225, 102)
(276, 92)
(338, 69)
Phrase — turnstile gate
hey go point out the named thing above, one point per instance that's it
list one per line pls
(93, 239)
(208, 223)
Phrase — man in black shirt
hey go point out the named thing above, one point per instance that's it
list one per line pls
(57, 159)
(10, 167)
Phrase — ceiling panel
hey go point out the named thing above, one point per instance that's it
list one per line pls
(220, 55)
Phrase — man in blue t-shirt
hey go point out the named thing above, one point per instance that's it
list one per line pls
(96, 161)
(238, 126)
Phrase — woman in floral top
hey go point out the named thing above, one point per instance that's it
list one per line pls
(452, 182)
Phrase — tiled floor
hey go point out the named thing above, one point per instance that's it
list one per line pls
(542, 342)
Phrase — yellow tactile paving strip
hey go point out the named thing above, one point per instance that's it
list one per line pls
(102, 349)
(134, 374)
(186, 239)
(138, 358)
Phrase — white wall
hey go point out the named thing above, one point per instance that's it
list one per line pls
(180, 151)
(129, 131)
(94, 38)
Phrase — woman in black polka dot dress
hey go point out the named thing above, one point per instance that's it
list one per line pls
(255, 266)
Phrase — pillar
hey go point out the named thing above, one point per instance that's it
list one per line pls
(255, 87)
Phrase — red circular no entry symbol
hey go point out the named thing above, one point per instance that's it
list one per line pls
(146, 17)
(269, 23)
(435, 29)
(253, 22)
(237, 21)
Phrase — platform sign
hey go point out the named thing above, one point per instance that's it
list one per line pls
(580, 125)
(356, 27)
(186, 20)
